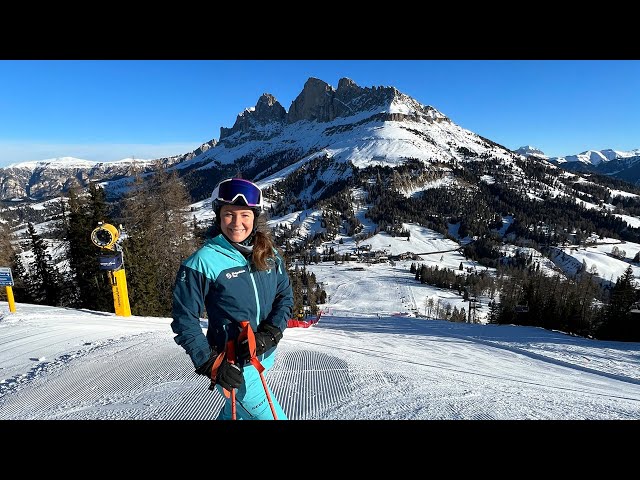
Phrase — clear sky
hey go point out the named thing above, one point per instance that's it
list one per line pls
(106, 110)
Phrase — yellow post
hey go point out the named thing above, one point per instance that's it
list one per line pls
(105, 236)
(114, 289)
(12, 303)
(121, 293)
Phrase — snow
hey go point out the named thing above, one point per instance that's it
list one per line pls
(596, 157)
(375, 354)
(60, 162)
(488, 179)
(633, 222)
(599, 256)
(364, 360)
(72, 162)
(621, 193)
(379, 142)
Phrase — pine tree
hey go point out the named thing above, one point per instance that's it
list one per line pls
(6, 247)
(21, 281)
(92, 289)
(45, 281)
(159, 237)
(619, 323)
(494, 312)
(7, 254)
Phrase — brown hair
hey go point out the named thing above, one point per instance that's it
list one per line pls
(263, 247)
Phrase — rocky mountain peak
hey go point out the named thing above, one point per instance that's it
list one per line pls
(346, 84)
(315, 102)
(265, 102)
(319, 102)
(528, 150)
(267, 110)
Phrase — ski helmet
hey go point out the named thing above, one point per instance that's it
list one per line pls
(237, 191)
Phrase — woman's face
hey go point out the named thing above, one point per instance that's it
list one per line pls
(236, 222)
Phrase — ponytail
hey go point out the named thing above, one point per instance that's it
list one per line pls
(263, 247)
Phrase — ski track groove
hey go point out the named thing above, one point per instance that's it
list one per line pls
(77, 387)
(310, 384)
(504, 374)
(30, 340)
(16, 335)
(306, 383)
(546, 358)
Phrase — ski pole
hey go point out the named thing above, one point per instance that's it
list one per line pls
(266, 391)
(247, 332)
(231, 355)
(227, 355)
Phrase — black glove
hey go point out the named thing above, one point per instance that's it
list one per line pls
(267, 336)
(229, 375)
(205, 368)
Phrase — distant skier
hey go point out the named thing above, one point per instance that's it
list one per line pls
(237, 275)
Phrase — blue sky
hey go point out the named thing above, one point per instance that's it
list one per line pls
(106, 110)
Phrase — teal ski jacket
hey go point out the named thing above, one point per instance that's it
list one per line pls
(221, 280)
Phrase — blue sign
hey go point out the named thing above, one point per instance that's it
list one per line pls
(6, 280)
(111, 262)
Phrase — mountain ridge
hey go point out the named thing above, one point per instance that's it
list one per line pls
(321, 118)
(363, 126)
(620, 164)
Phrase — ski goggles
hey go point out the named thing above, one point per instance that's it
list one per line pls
(229, 191)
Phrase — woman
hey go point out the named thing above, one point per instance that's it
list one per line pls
(237, 276)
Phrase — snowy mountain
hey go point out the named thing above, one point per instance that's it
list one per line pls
(531, 151)
(596, 157)
(346, 141)
(590, 157)
(348, 125)
(37, 180)
(354, 142)
(356, 166)
(347, 128)
(615, 163)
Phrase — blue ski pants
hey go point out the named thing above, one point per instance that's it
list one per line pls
(251, 399)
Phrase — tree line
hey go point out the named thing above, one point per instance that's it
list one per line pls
(522, 294)
(157, 234)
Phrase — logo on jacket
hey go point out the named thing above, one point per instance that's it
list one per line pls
(234, 274)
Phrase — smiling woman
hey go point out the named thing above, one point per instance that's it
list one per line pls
(241, 280)
(236, 222)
